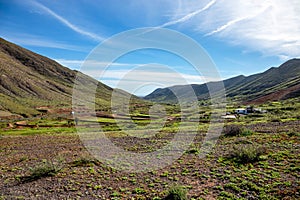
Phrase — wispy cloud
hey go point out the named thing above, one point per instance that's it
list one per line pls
(67, 23)
(189, 16)
(33, 40)
(271, 27)
(66, 62)
(144, 81)
(168, 78)
(94, 67)
(130, 76)
(237, 20)
(72, 64)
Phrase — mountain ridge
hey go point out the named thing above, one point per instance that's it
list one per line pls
(241, 88)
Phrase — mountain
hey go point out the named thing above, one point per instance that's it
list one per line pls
(29, 80)
(274, 84)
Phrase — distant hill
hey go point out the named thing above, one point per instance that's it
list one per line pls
(29, 80)
(274, 84)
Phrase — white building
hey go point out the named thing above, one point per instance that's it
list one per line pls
(241, 111)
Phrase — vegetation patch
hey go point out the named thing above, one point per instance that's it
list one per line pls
(45, 169)
(247, 153)
(239, 167)
(84, 162)
(176, 192)
(232, 130)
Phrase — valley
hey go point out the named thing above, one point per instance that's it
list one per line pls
(43, 157)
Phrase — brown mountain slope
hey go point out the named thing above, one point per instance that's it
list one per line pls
(274, 81)
(287, 93)
(26, 74)
(29, 80)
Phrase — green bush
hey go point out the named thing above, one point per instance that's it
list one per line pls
(3, 125)
(45, 169)
(246, 132)
(192, 151)
(247, 153)
(176, 193)
(138, 191)
(232, 130)
(275, 120)
(83, 162)
(292, 133)
(235, 130)
(288, 108)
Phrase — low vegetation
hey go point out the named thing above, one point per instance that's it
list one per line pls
(247, 153)
(255, 158)
(232, 130)
(84, 161)
(44, 169)
(176, 192)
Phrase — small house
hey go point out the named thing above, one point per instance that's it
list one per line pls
(241, 111)
(250, 109)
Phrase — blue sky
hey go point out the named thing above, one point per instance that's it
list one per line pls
(241, 37)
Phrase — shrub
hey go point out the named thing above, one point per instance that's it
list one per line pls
(246, 132)
(45, 169)
(288, 108)
(232, 130)
(83, 162)
(3, 125)
(138, 191)
(242, 141)
(275, 120)
(235, 130)
(247, 153)
(176, 193)
(115, 194)
(292, 133)
(192, 151)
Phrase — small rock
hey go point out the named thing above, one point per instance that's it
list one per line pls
(21, 123)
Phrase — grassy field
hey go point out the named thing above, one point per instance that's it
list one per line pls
(256, 157)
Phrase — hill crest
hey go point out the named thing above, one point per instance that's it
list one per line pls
(284, 79)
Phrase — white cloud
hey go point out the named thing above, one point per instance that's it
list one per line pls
(134, 76)
(153, 76)
(271, 27)
(165, 77)
(72, 64)
(143, 81)
(189, 15)
(33, 40)
(93, 67)
(67, 23)
(237, 20)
